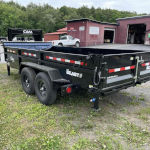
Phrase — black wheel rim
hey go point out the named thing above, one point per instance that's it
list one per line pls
(26, 81)
(42, 89)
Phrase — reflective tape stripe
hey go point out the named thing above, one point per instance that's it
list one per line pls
(59, 59)
(146, 64)
(121, 69)
(11, 51)
(29, 54)
(65, 60)
(77, 62)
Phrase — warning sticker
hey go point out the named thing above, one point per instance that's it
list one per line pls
(147, 67)
(131, 58)
(90, 86)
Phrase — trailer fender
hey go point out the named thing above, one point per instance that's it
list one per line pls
(53, 73)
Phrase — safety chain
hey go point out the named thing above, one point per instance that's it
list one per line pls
(99, 76)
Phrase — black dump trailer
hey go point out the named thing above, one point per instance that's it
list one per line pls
(101, 71)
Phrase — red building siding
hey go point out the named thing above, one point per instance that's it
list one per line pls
(93, 39)
(55, 35)
(122, 29)
(51, 37)
(73, 30)
(85, 37)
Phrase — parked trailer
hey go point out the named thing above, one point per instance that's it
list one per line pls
(102, 71)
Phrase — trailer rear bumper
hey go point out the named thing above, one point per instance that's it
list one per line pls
(69, 88)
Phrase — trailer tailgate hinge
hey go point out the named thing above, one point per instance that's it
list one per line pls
(137, 67)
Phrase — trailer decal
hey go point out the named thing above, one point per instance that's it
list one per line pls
(90, 86)
(11, 51)
(121, 69)
(147, 67)
(75, 74)
(12, 59)
(29, 54)
(65, 60)
(146, 64)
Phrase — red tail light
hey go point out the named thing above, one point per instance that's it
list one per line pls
(53, 42)
(68, 89)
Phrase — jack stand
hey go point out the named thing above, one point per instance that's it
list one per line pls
(8, 70)
(96, 102)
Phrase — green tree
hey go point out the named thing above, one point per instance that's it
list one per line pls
(50, 19)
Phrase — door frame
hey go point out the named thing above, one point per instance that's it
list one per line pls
(110, 29)
(128, 25)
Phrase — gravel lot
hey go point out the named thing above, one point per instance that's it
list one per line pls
(121, 46)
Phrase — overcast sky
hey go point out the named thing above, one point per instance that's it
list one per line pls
(140, 6)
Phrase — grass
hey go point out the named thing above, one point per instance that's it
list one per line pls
(132, 133)
(43, 142)
(125, 93)
(144, 113)
(103, 142)
(133, 103)
(68, 124)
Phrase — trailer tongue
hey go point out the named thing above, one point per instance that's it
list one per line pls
(102, 71)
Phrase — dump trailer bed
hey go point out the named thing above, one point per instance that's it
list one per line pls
(102, 71)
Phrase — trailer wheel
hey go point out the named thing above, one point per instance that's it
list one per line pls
(44, 89)
(27, 79)
(77, 44)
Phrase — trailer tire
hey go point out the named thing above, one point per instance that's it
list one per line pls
(44, 90)
(27, 79)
